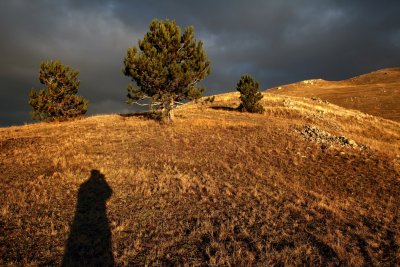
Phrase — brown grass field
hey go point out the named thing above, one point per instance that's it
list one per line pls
(215, 188)
(376, 93)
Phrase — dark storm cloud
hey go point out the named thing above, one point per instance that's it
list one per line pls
(275, 41)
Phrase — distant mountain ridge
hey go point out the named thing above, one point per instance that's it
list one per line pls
(376, 93)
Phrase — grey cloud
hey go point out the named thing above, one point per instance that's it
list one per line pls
(275, 41)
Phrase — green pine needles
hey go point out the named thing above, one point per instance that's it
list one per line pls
(59, 100)
(166, 67)
(249, 95)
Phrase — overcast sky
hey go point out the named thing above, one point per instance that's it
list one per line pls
(276, 41)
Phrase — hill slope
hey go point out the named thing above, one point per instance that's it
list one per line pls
(306, 183)
(376, 93)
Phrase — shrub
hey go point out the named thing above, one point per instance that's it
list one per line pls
(58, 101)
(249, 95)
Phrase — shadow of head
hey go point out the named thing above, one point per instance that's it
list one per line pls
(96, 186)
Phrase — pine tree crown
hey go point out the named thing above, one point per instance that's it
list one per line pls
(58, 100)
(166, 65)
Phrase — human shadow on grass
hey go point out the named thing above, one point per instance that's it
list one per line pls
(89, 242)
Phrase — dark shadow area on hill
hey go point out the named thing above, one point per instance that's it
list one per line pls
(135, 114)
(151, 115)
(89, 242)
(224, 108)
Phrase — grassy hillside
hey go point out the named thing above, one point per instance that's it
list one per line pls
(376, 93)
(306, 183)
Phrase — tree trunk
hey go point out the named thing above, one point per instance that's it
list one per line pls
(170, 115)
(167, 111)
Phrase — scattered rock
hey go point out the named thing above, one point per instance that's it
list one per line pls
(312, 81)
(316, 134)
(326, 139)
(352, 143)
(287, 103)
(319, 100)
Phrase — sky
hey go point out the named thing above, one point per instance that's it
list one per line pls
(275, 41)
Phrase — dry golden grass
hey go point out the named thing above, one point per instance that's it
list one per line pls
(217, 187)
(376, 93)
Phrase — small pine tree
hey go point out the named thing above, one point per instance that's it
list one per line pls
(249, 95)
(59, 100)
(167, 68)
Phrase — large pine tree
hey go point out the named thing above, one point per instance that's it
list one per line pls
(167, 68)
(59, 100)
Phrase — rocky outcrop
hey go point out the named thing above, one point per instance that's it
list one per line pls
(313, 133)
